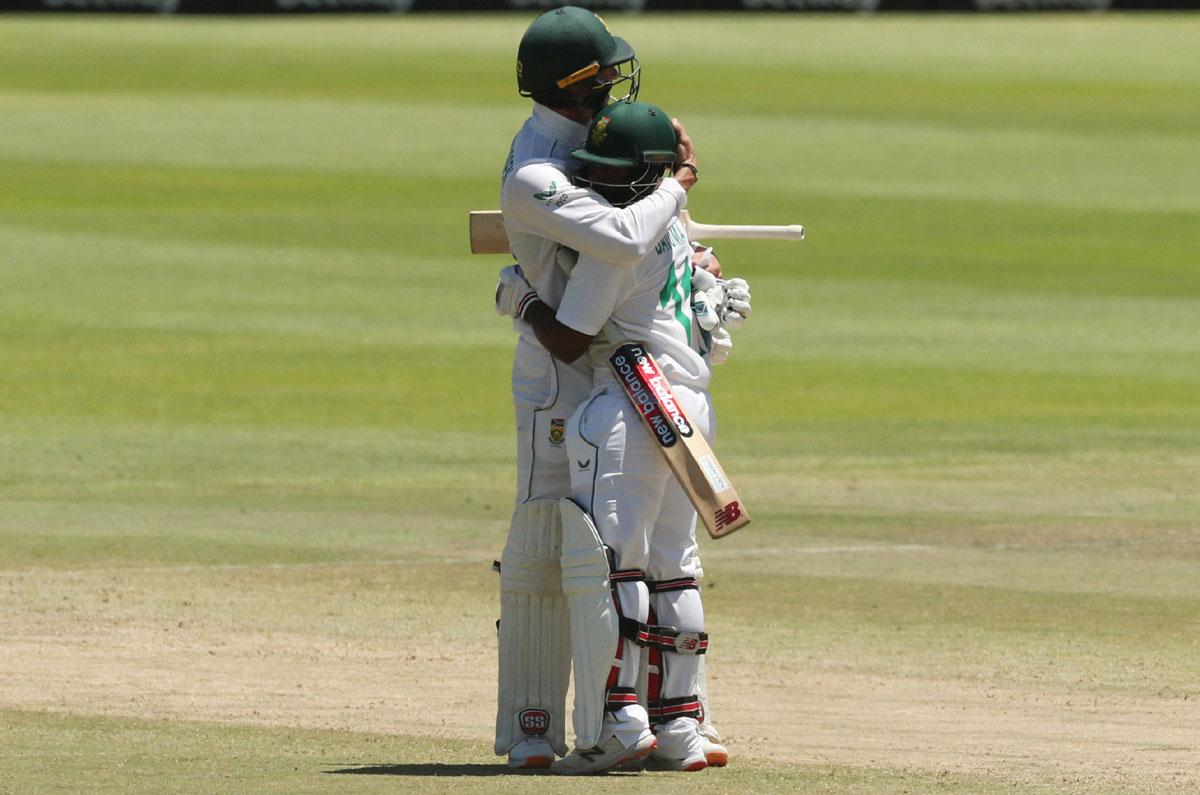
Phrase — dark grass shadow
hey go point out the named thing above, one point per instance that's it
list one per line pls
(473, 770)
(426, 769)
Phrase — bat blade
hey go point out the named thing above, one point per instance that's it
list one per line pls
(487, 232)
(687, 453)
(488, 235)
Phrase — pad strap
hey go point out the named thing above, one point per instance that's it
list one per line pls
(620, 697)
(664, 638)
(681, 584)
(669, 709)
(626, 575)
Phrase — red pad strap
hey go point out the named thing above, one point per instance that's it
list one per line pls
(620, 697)
(680, 584)
(669, 709)
(626, 575)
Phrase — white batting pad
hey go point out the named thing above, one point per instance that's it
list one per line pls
(535, 655)
(594, 620)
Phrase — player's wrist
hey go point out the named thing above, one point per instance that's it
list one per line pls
(526, 303)
(687, 175)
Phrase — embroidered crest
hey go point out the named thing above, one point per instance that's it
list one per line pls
(558, 431)
(600, 131)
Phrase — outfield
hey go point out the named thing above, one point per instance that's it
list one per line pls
(255, 437)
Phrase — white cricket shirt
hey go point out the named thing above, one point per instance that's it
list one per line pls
(543, 210)
(650, 302)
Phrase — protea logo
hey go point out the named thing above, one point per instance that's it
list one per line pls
(600, 131)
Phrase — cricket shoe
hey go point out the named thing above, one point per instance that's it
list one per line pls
(692, 763)
(602, 758)
(531, 753)
(680, 747)
(715, 754)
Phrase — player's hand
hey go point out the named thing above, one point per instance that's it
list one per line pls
(704, 258)
(708, 296)
(513, 293)
(722, 347)
(702, 278)
(705, 311)
(736, 307)
(685, 152)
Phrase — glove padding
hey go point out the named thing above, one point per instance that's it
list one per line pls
(717, 302)
(707, 297)
(705, 311)
(721, 347)
(701, 256)
(736, 307)
(513, 293)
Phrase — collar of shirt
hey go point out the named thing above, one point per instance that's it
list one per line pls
(568, 133)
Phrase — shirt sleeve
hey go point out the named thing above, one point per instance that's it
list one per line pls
(594, 291)
(543, 201)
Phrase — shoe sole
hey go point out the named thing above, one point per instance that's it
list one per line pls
(633, 759)
(717, 759)
(675, 766)
(622, 762)
(532, 763)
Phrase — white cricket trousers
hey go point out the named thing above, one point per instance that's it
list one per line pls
(646, 519)
(546, 393)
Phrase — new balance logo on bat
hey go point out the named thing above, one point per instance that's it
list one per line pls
(728, 514)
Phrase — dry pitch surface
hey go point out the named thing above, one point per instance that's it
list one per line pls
(255, 437)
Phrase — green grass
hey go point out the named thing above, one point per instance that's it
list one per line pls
(131, 755)
(239, 328)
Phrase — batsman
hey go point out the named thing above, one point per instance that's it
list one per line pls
(571, 66)
(631, 563)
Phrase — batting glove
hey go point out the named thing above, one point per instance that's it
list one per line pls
(722, 347)
(701, 257)
(736, 307)
(708, 296)
(513, 293)
(705, 311)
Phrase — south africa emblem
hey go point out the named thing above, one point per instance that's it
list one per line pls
(600, 131)
(558, 431)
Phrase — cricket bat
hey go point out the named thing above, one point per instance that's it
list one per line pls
(488, 235)
(682, 445)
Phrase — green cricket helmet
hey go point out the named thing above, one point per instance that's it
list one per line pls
(567, 46)
(634, 136)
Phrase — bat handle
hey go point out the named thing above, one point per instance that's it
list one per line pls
(697, 231)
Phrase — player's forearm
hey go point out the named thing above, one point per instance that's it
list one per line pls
(626, 235)
(543, 202)
(563, 342)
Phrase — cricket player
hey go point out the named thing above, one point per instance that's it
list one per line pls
(570, 65)
(630, 558)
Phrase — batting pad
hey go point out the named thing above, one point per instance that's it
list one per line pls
(594, 620)
(535, 652)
